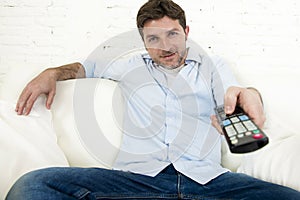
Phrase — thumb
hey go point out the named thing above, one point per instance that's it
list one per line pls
(230, 99)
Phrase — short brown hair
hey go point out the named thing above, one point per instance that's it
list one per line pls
(157, 9)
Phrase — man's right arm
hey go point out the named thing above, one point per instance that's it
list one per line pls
(45, 83)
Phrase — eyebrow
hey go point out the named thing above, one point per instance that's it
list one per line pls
(173, 29)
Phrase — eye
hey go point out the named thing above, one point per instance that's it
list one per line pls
(152, 39)
(172, 33)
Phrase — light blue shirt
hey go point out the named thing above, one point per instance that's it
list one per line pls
(169, 121)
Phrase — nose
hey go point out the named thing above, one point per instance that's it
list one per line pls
(164, 45)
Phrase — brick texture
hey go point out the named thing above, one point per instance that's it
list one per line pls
(252, 34)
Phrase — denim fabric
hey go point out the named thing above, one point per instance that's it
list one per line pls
(96, 183)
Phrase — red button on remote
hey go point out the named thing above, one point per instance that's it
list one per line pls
(258, 136)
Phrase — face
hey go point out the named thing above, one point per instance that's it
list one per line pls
(165, 41)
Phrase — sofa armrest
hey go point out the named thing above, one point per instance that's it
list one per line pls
(279, 162)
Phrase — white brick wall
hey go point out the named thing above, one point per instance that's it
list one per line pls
(252, 34)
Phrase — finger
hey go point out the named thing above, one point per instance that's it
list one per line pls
(20, 108)
(252, 105)
(259, 120)
(215, 123)
(50, 99)
(29, 104)
(230, 99)
(22, 102)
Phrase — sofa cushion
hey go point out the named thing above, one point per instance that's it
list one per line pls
(27, 143)
(279, 162)
(87, 117)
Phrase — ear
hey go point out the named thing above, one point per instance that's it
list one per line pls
(186, 30)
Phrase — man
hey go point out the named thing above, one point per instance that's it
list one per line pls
(169, 148)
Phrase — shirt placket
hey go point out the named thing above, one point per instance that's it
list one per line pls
(172, 120)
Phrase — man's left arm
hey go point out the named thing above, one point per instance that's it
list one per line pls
(248, 98)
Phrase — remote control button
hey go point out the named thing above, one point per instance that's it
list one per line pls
(234, 119)
(226, 122)
(243, 117)
(239, 127)
(241, 135)
(256, 131)
(249, 125)
(230, 130)
(233, 138)
(222, 116)
(248, 133)
(234, 141)
(258, 136)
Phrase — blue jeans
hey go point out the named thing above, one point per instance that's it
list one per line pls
(96, 183)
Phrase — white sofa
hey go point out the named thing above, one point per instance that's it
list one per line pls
(55, 138)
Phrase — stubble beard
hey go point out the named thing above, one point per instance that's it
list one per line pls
(180, 61)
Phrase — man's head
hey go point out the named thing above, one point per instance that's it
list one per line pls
(162, 25)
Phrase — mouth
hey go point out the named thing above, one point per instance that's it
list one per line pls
(168, 56)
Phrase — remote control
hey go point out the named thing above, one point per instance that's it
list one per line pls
(241, 133)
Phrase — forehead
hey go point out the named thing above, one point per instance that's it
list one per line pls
(156, 26)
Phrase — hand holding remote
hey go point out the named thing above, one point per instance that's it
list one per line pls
(242, 134)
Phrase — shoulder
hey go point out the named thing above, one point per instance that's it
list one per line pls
(129, 59)
(219, 61)
(123, 64)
